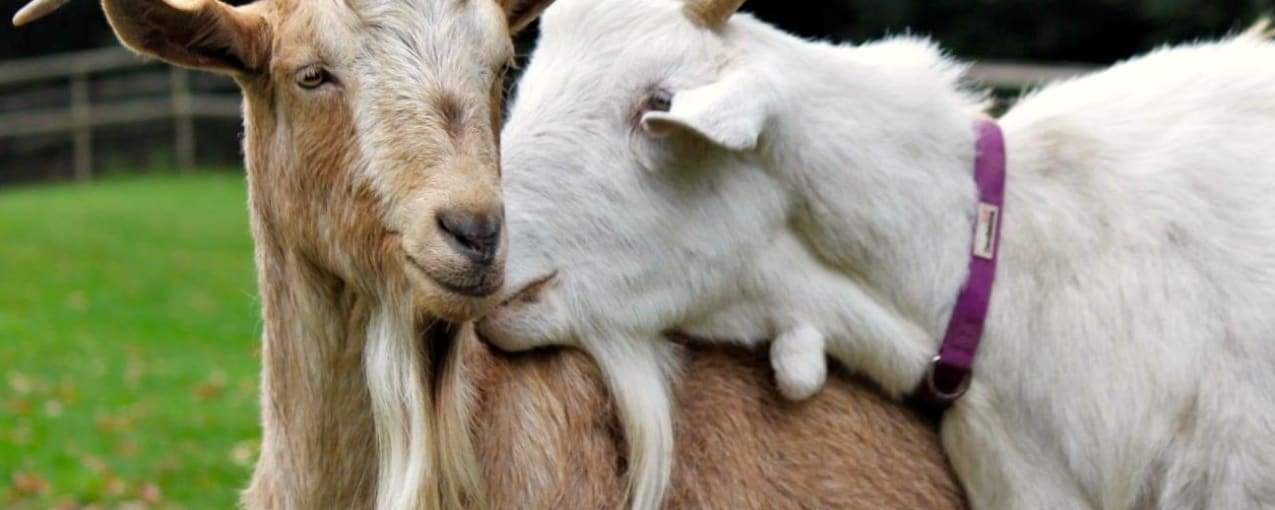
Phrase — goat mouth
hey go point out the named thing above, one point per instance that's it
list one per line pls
(486, 285)
(531, 292)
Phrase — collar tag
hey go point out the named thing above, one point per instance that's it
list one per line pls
(987, 231)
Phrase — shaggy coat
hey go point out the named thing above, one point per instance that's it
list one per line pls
(547, 437)
(365, 400)
(733, 181)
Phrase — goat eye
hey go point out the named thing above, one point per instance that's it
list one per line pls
(659, 101)
(312, 76)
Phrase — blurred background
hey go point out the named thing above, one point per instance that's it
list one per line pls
(128, 317)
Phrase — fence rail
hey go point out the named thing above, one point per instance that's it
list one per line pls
(82, 115)
(183, 106)
(1018, 75)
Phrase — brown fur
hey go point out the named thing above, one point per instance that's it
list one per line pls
(543, 431)
(309, 415)
(547, 437)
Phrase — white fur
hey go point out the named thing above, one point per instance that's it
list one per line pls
(817, 193)
(394, 375)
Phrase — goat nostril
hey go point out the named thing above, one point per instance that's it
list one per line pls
(476, 235)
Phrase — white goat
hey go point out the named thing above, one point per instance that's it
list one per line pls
(671, 170)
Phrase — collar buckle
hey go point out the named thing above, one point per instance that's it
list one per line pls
(944, 383)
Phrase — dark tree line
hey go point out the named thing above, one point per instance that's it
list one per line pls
(1047, 30)
(1050, 30)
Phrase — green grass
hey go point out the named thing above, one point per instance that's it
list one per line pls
(128, 331)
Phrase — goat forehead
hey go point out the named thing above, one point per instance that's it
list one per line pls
(436, 30)
(316, 28)
(401, 37)
(413, 8)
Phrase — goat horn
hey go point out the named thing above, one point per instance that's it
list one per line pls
(1262, 29)
(35, 10)
(711, 13)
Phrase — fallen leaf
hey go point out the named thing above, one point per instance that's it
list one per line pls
(20, 435)
(150, 493)
(213, 387)
(132, 505)
(66, 503)
(127, 448)
(241, 454)
(52, 408)
(115, 486)
(20, 407)
(19, 383)
(77, 301)
(26, 483)
(94, 463)
(133, 370)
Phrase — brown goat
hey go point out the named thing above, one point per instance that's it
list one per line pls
(371, 152)
(547, 437)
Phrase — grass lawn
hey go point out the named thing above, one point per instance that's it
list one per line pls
(128, 332)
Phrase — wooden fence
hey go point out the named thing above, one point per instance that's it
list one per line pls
(1019, 76)
(79, 115)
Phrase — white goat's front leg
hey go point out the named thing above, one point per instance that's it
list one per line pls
(801, 367)
(638, 372)
(998, 467)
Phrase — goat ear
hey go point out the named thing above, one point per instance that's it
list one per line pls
(522, 12)
(728, 113)
(201, 34)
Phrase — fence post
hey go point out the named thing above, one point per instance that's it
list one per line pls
(82, 129)
(183, 121)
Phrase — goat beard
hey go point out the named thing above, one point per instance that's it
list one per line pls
(420, 407)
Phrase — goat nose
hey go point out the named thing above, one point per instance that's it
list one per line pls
(475, 235)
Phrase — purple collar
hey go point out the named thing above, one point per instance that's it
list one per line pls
(949, 373)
